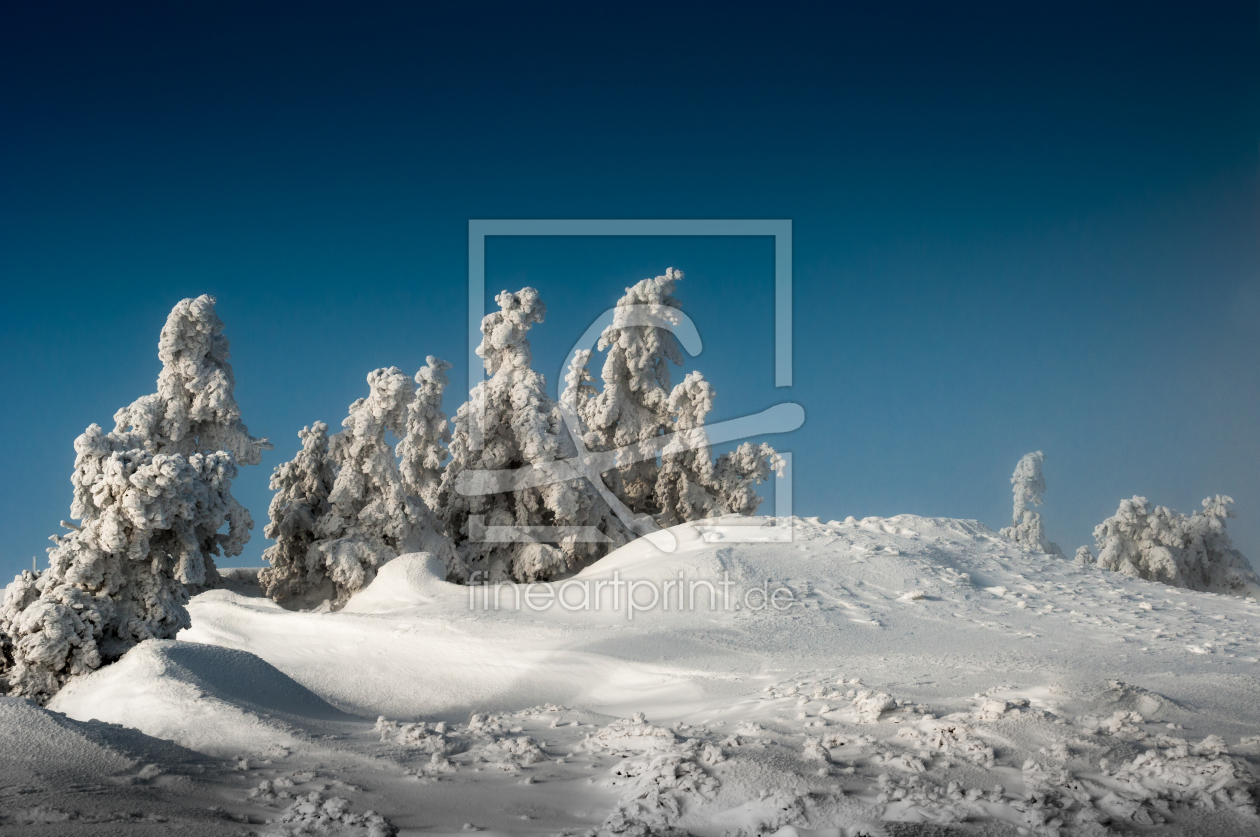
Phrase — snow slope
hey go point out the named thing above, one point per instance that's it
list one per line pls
(919, 671)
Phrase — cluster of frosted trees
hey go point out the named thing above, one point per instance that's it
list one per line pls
(1144, 541)
(347, 504)
(152, 495)
(1184, 550)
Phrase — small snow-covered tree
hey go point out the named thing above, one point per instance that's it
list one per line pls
(1085, 557)
(370, 519)
(518, 425)
(152, 500)
(1026, 527)
(302, 486)
(638, 405)
(690, 485)
(1191, 551)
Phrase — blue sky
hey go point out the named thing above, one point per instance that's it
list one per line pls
(1015, 228)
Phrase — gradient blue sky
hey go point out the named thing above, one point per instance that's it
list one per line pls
(1017, 227)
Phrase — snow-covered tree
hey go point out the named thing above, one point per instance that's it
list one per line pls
(194, 411)
(302, 486)
(517, 425)
(638, 406)
(1191, 551)
(421, 450)
(152, 497)
(369, 518)
(1085, 557)
(1026, 527)
(632, 410)
(690, 485)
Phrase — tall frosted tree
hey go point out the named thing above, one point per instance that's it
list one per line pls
(632, 410)
(152, 496)
(637, 406)
(421, 451)
(302, 487)
(518, 425)
(1191, 551)
(1026, 527)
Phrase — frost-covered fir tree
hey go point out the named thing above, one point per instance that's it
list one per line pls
(421, 450)
(518, 425)
(1159, 544)
(632, 410)
(1026, 527)
(638, 406)
(369, 517)
(302, 486)
(195, 411)
(690, 485)
(152, 496)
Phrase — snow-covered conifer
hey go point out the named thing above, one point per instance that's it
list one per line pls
(736, 473)
(1159, 544)
(152, 495)
(421, 450)
(637, 406)
(518, 425)
(1085, 557)
(1026, 527)
(370, 518)
(302, 486)
(194, 411)
(632, 410)
(690, 485)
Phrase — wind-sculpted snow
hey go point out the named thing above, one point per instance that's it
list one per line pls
(215, 700)
(62, 776)
(1159, 544)
(152, 496)
(968, 707)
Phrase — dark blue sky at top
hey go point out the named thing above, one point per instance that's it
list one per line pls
(1016, 227)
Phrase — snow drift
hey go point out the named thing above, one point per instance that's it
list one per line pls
(923, 671)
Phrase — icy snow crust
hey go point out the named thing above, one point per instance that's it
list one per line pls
(929, 675)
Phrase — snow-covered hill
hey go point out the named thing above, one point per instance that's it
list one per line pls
(914, 671)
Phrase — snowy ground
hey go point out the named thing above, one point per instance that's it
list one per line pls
(927, 677)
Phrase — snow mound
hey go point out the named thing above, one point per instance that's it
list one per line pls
(215, 700)
(926, 671)
(411, 580)
(35, 742)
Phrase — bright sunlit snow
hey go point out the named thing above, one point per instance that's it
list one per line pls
(905, 670)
